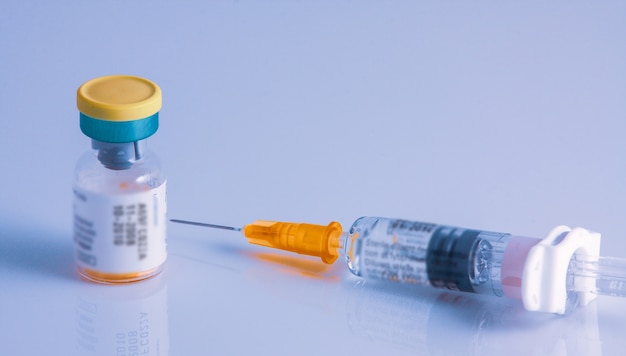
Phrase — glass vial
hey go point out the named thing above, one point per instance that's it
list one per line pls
(119, 186)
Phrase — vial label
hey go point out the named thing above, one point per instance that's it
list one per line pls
(121, 233)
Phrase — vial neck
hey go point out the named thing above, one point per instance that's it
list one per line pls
(119, 156)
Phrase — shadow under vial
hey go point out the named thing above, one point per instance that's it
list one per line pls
(31, 249)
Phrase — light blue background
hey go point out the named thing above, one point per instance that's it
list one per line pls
(502, 116)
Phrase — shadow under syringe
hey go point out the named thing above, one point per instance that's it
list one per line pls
(423, 320)
(431, 321)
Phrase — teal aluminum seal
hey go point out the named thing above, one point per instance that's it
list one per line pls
(119, 131)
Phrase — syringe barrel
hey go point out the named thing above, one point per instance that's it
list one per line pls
(427, 254)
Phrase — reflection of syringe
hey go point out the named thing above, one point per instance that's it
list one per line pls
(449, 323)
(553, 274)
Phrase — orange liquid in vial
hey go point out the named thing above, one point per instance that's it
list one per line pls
(118, 278)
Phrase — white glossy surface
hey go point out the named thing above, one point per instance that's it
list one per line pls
(505, 117)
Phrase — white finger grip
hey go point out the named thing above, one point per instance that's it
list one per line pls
(544, 279)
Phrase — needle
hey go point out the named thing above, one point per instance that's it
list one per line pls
(206, 225)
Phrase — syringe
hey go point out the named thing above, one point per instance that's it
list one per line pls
(553, 274)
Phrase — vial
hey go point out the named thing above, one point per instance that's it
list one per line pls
(119, 187)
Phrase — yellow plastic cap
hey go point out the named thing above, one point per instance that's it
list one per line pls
(119, 98)
(306, 239)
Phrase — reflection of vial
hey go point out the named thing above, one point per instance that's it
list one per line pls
(119, 187)
(123, 320)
